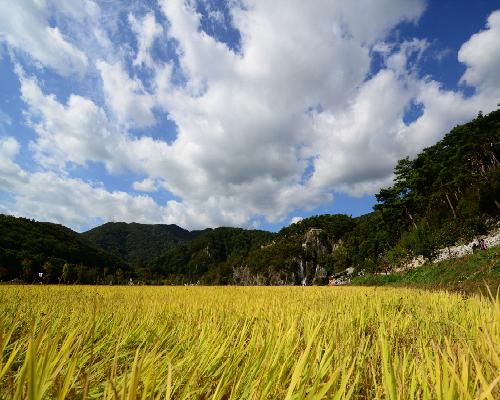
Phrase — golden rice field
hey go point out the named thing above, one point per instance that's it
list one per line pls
(78, 342)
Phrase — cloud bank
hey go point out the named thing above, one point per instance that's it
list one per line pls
(274, 120)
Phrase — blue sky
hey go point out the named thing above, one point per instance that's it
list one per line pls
(229, 113)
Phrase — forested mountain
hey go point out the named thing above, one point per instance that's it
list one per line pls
(303, 253)
(449, 193)
(209, 258)
(28, 247)
(138, 244)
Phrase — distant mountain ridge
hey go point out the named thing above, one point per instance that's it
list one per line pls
(28, 247)
(136, 243)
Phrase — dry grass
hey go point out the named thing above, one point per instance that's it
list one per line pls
(247, 343)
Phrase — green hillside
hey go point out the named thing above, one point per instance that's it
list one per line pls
(471, 273)
(209, 258)
(138, 244)
(28, 247)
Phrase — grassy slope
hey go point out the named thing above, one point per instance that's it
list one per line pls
(467, 274)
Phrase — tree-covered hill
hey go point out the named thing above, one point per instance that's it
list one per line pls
(302, 253)
(208, 258)
(449, 192)
(28, 247)
(138, 244)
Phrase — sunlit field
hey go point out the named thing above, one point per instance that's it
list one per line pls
(246, 343)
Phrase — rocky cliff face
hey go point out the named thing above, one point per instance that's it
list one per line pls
(315, 244)
(492, 239)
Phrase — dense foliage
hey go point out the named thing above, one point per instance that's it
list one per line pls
(28, 248)
(208, 258)
(449, 192)
(302, 253)
(138, 244)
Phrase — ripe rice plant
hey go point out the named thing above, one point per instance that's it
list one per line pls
(74, 342)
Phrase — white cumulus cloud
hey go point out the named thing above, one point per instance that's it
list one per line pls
(481, 55)
(293, 115)
(147, 31)
(24, 25)
(295, 220)
(51, 197)
(126, 96)
(146, 185)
